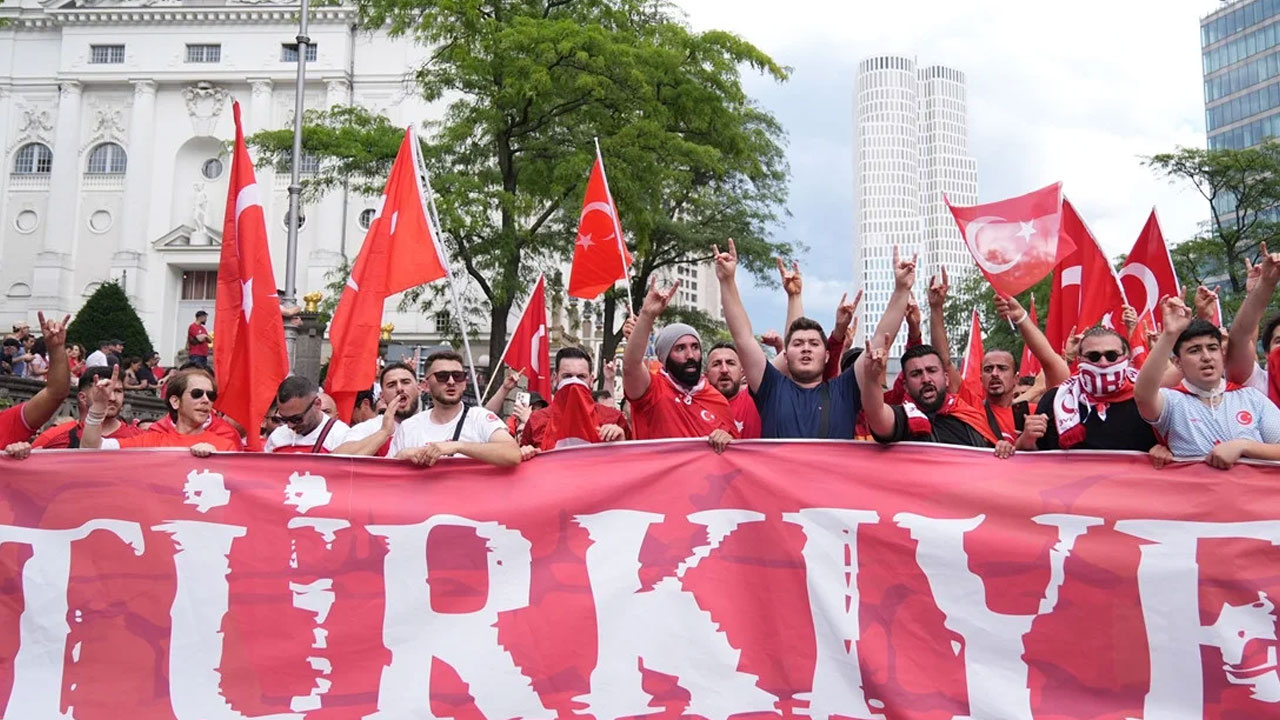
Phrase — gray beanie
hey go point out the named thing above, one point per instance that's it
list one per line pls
(668, 337)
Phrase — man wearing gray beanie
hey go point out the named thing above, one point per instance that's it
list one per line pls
(674, 400)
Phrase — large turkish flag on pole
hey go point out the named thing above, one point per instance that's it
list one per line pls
(1148, 273)
(399, 252)
(1085, 289)
(600, 256)
(1015, 242)
(971, 371)
(529, 350)
(250, 358)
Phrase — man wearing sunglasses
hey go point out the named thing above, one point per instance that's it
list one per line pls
(189, 395)
(402, 394)
(450, 427)
(304, 427)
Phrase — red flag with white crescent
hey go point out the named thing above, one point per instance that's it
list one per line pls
(1148, 273)
(1015, 242)
(250, 359)
(530, 348)
(1086, 290)
(971, 387)
(600, 256)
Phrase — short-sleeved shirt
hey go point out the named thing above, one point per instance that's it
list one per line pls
(1191, 428)
(790, 411)
(197, 348)
(665, 412)
(944, 430)
(154, 439)
(58, 437)
(1124, 428)
(284, 440)
(362, 430)
(420, 430)
(97, 358)
(13, 426)
(538, 419)
(745, 415)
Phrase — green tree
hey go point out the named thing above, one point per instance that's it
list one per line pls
(975, 292)
(107, 315)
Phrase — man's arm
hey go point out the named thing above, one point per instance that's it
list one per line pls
(1056, 370)
(635, 376)
(1261, 282)
(37, 411)
(870, 366)
(750, 353)
(846, 328)
(99, 395)
(793, 284)
(501, 449)
(904, 276)
(509, 383)
(1146, 392)
(371, 444)
(939, 287)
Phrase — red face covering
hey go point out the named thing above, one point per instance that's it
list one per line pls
(573, 416)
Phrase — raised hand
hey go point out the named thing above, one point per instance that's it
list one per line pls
(1008, 308)
(610, 372)
(913, 314)
(656, 301)
(512, 379)
(1176, 315)
(877, 357)
(1252, 274)
(938, 289)
(1269, 266)
(1206, 301)
(55, 333)
(1129, 318)
(846, 311)
(773, 340)
(100, 391)
(1072, 349)
(727, 262)
(629, 324)
(792, 283)
(904, 271)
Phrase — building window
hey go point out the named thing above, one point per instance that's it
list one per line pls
(204, 53)
(444, 321)
(33, 159)
(107, 159)
(212, 169)
(199, 284)
(366, 218)
(289, 52)
(106, 54)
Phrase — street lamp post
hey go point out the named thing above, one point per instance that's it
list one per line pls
(295, 186)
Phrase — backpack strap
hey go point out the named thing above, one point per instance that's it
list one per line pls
(992, 422)
(319, 446)
(824, 409)
(457, 429)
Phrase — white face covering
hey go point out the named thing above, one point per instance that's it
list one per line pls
(1099, 381)
(565, 382)
(1210, 394)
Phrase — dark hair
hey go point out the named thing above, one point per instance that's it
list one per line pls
(849, 357)
(153, 356)
(722, 345)
(12, 342)
(536, 401)
(1197, 329)
(189, 366)
(296, 386)
(91, 376)
(396, 366)
(365, 396)
(602, 395)
(176, 386)
(129, 361)
(40, 347)
(918, 351)
(804, 323)
(1267, 331)
(104, 344)
(1102, 331)
(572, 353)
(202, 312)
(446, 355)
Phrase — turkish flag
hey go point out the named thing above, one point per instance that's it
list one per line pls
(971, 388)
(1030, 364)
(573, 416)
(1148, 274)
(399, 252)
(1015, 242)
(250, 359)
(529, 350)
(600, 256)
(1138, 340)
(1086, 290)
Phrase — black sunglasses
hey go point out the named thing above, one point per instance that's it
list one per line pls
(444, 376)
(1095, 356)
(197, 393)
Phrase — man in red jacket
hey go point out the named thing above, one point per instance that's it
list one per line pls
(573, 414)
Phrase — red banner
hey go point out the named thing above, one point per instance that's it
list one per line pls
(778, 579)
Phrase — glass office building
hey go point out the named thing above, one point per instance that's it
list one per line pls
(1240, 45)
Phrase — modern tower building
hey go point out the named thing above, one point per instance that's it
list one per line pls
(912, 148)
(1240, 46)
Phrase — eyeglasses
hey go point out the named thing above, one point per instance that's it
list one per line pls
(1095, 356)
(444, 376)
(197, 393)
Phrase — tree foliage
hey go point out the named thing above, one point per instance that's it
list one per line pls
(975, 292)
(107, 315)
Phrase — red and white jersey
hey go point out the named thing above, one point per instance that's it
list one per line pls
(284, 440)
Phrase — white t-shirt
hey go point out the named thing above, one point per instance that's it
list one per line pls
(283, 438)
(1192, 428)
(97, 358)
(362, 430)
(1258, 380)
(420, 430)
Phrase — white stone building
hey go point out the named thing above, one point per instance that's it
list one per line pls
(912, 147)
(114, 119)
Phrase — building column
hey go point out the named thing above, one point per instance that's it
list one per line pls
(326, 226)
(130, 257)
(6, 99)
(259, 105)
(51, 277)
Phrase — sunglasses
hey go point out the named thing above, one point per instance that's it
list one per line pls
(197, 393)
(1095, 356)
(444, 376)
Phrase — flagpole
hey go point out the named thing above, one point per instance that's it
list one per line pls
(295, 187)
(617, 228)
(428, 199)
(493, 376)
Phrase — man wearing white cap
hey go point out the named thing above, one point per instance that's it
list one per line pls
(675, 400)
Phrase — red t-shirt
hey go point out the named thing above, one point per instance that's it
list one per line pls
(214, 424)
(745, 415)
(13, 426)
(58, 437)
(154, 438)
(197, 348)
(667, 412)
(1004, 418)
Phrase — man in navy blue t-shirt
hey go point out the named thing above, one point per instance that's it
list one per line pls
(802, 405)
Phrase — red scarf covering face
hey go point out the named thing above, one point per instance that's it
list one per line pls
(1273, 375)
(918, 423)
(1094, 388)
(572, 418)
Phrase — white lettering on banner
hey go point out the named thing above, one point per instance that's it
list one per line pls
(40, 662)
(195, 638)
(995, 671)
(658, 626)
(1169, 588)
(831, 575)
(205, 490)
(415, 633)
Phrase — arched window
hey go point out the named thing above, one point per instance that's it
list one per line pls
(33, 159)
(107, 159)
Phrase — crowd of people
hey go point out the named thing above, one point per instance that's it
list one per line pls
(1195, 393)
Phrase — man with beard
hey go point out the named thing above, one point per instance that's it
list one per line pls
(803, 405)
(68, 434)
(1242, 362)
(450, 427)
(1205, 415)
(304, 426)
(402, 393)
(575, 414)
(724, 371)
(190, 397)
(674, 401)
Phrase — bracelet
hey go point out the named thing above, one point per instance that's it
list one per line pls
(1022, 319)
(95, 418)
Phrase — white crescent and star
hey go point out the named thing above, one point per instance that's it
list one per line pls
(1149, 283)
(585, 241)
(975, 228)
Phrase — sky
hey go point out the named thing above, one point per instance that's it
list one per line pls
(1073, 92)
